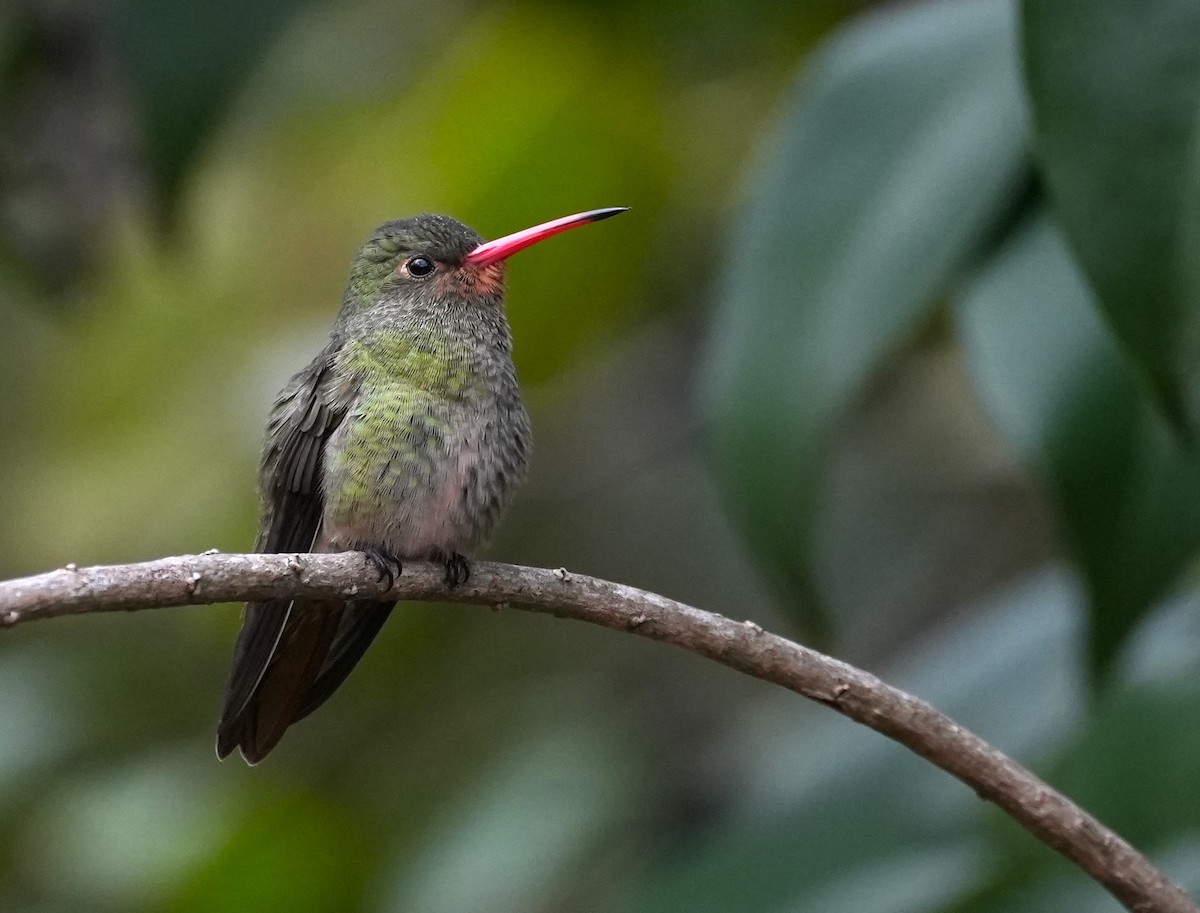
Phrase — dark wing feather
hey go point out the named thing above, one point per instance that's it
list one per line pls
(282, 646)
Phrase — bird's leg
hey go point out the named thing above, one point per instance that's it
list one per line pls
(387, 564)
(457, 569)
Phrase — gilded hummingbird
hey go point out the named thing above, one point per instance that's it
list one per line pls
(403, 439)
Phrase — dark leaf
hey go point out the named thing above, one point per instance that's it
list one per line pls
(1114, 87)
(1050, 375)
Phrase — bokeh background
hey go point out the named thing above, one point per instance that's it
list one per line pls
(895, 353)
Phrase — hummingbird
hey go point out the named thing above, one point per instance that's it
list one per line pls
(403, 439)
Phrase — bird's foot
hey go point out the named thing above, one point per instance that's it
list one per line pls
(387, 564)
(458, 571)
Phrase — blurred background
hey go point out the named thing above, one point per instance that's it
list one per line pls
(896, 354)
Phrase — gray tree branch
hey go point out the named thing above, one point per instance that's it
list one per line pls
(212, 577)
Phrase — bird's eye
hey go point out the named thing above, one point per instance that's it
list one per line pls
(419, 267)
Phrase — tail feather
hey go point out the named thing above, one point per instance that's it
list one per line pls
(360, 623)
(254, 719)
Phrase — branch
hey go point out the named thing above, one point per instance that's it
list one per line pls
(210, 578)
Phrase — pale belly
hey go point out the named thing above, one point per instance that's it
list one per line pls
(414, 485)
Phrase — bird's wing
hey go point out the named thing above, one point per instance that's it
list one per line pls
(283, 646)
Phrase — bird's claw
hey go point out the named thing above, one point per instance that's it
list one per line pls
(458, 571)
(388, 565)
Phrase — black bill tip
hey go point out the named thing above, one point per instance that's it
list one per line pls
(597, 215)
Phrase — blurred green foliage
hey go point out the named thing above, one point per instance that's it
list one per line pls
(896, 350)
(899, 149)
(1113, 92)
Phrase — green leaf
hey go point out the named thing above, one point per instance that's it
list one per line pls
(1051, 377)
(1114, 87)
(897, 152)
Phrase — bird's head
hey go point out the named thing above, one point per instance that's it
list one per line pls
(434, 258)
